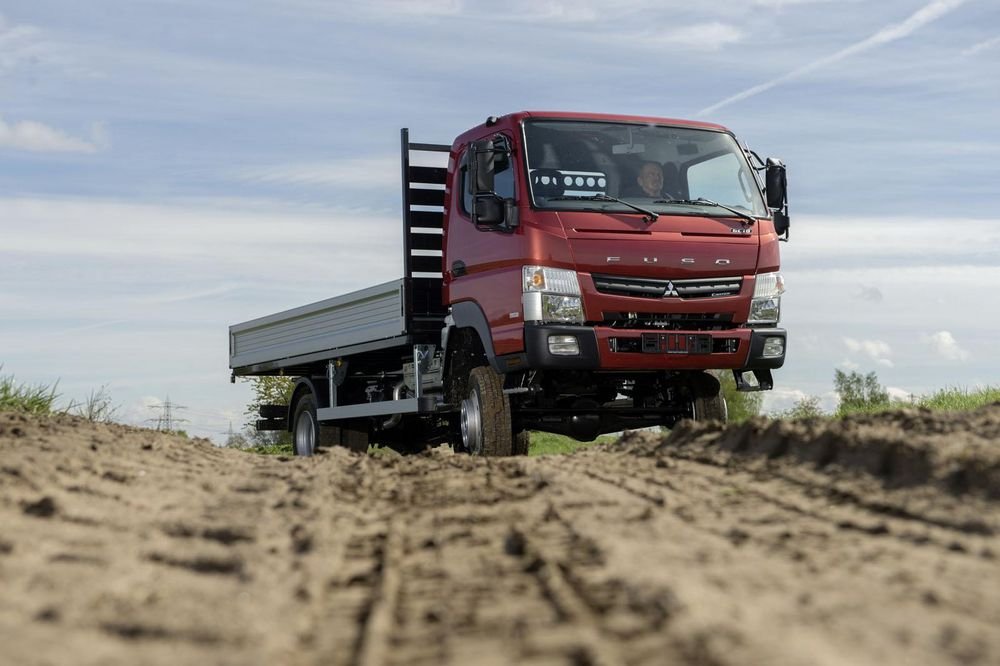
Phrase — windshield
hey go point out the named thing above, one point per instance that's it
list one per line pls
(574, 164)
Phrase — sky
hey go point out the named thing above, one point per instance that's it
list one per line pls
(168, 169)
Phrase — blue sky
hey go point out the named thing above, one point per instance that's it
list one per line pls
(170, 168)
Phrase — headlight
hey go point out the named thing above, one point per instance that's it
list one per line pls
(765, 308)
(551, 295)
(550, 280)
(561, 308)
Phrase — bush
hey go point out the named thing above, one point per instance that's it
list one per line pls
(741, 405)
(859, 393)
(804, 408)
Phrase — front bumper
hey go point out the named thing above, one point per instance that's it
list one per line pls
(606, 348)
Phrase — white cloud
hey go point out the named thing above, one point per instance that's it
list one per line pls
(148, 264)
(37, 137)
(782, 399)
(923, 16)
(872, 294)
(779, 4)
(824, 243)
(943, 344)
(896, 393)
(25, 46)
(378, 172)
(18, 44)
(982, 46)
(385, 10)
(697, 37)
(849, 365)
(876, 349)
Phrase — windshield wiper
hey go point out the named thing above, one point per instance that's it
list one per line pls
(702, 201)
(648, 216)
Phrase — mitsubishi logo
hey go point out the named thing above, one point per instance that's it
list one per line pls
(671, 290)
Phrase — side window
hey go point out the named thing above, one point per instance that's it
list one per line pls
(503, 182)
(721, 179)
(464, 183)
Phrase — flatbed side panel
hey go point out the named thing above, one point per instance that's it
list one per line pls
(362, 316)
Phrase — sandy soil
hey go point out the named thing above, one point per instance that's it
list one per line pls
(871, 541)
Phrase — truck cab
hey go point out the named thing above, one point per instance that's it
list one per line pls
(563, 272)
(594, 290)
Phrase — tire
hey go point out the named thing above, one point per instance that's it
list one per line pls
(520, 444)
(308, 436)
(484, 415)
(708, 404)
(305, 426)
(711, 409)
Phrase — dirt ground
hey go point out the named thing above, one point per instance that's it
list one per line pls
(868, 541)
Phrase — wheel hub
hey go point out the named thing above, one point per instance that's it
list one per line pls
(471, 421)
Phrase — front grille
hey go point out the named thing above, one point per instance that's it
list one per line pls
(670, 321)
(674, 343)
(652, 288)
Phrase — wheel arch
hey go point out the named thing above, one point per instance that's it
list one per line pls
(469, 315)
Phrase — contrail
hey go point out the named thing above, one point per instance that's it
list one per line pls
(891, 33)
(981, 46)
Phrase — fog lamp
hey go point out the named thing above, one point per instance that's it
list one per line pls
(564, 345)
(773, 347)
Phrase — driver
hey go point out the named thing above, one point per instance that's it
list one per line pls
(650, 179)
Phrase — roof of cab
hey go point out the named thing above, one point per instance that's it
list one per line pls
(518, 116)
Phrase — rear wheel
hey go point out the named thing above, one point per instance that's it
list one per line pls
(308, 435)
(485, 415)
(305, 426)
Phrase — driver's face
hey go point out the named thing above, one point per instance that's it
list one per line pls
(651, 179)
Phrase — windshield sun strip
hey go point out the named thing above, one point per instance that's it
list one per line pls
(539, 203)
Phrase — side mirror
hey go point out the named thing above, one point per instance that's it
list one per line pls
(776, 188)
(781, 223)
(489, 210)
(775, 183)
(483, 165)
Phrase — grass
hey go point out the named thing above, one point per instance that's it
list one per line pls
(951, 399)
(33, 399)
(270, 449)
(547, 443)
(959, 399)
(41, 399)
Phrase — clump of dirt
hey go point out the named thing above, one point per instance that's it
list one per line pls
(870, 540)
(958, 453)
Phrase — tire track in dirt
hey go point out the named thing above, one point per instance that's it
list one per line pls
(711, 547)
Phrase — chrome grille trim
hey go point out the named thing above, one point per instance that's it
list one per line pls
(657, 288)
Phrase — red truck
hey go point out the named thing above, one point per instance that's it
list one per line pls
(573, 273)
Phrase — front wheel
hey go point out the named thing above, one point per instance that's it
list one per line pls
(709, 404)
(711, 409)
(485, 415)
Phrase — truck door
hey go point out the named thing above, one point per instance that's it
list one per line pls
(483, 265)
